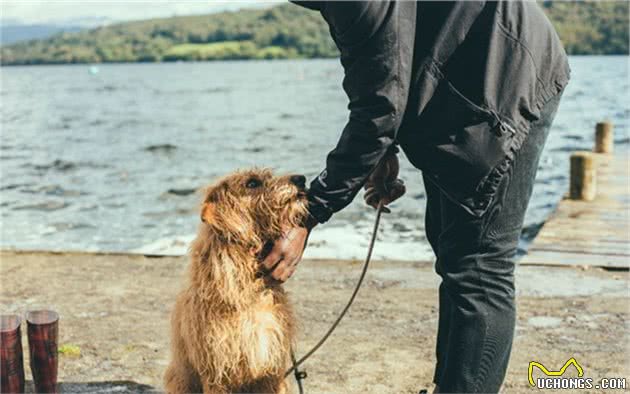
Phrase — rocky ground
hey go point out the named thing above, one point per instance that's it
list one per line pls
(114, 310)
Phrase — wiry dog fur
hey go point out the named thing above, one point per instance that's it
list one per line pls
(231, 328)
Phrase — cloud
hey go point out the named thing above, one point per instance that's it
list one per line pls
(67, 11)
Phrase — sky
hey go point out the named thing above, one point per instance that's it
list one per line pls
(92, 11)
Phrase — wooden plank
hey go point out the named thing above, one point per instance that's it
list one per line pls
(582, 248)
(575, 259)
(547, 243)
(583, 233)
(603, 242)
(548, 238)
(595, 233)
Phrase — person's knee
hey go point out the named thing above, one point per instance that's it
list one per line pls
(479, 283)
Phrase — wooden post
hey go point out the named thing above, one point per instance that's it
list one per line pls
(583, 176)
(604, 137)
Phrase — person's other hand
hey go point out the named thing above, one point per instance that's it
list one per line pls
(383, 184)
(286, 253)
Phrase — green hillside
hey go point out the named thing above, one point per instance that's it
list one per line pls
(285, 31)
(590, 28)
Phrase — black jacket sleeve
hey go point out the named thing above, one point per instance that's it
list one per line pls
(376, 81)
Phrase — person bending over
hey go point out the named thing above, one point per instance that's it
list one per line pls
(468, 91)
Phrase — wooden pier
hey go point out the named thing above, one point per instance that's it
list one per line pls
(591, 225)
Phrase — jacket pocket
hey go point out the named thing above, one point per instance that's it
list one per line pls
(462, 147)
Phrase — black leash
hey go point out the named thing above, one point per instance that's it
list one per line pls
(299, 375)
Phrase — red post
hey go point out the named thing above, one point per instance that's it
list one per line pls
(11, 360)
(42, 340)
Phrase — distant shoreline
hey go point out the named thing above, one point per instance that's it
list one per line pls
(183, 61)
(229, 60)
(281, 32)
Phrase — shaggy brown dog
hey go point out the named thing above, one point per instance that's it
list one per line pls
(232, 329)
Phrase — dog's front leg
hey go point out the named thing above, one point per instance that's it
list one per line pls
(180, 378)
(209, 388)
(268, 385)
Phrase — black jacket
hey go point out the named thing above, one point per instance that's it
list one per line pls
(456, 84)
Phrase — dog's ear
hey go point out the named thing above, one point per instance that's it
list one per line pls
(209, 206)
(208, 212)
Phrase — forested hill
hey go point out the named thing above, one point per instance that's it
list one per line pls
(285, 31)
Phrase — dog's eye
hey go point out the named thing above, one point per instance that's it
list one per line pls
(253, 183)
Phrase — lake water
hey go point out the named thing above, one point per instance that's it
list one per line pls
(106, 158)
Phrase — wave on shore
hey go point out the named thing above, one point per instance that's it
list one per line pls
(342, 242)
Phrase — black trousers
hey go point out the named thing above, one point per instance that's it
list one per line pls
(475, 259)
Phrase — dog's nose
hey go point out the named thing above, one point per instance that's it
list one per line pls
(298, 180)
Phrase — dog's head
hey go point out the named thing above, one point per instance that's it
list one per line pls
(254, 206)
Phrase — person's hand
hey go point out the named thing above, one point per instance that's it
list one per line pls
(383, 184)
(286, 253)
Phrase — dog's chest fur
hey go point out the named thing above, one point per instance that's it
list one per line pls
(249, 343)
(263, 329)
